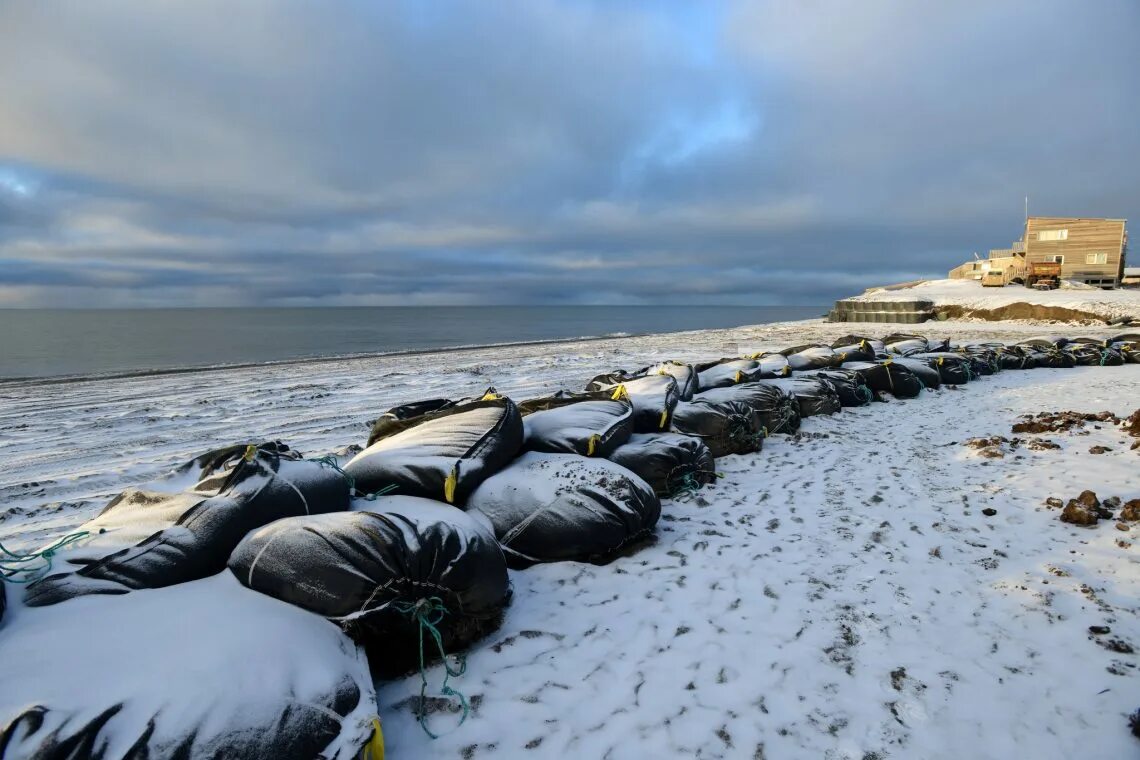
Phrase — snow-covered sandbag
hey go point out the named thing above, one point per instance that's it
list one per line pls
(364, 569)
(803, 358)
(774, 410)
(914, 341)
(441, 454)
(202, 669)
(151, 539)
(859, 344)
(725, 372)
(815, 395)
(393, 420)
(588, 424)
(726, 426)
(862, 350)
(888, 377)
(3, 600)
(684, 374)
(669, 462)
(653, 398)
(563, 507)
(848, 384)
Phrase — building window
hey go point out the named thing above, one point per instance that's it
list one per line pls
(1096, 258)
(1058, 259)
(1053, 235)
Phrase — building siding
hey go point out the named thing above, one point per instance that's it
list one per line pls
(1084, 237)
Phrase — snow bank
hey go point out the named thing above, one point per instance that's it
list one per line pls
(969, 294)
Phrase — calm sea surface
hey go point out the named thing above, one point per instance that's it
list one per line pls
(47, 343)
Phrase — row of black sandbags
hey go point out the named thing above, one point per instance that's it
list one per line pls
(362, 568)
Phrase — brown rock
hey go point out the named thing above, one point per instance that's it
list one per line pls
(1112, 502)
(1099, 450)
(1043, 444)
(1135, 445)
(1088, 500)
(1076, 514)
(1122, 526)
(1132, 424)
(981, 443)
(1130, 510)
(992, 453)
(1054, 503)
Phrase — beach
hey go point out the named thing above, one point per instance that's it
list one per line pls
(839, 594)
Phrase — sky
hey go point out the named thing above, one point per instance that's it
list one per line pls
(277, 153)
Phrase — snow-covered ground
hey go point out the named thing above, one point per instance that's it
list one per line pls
(1108, 304)
(839, 594)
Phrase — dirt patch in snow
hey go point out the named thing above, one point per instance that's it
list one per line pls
(1020, 310)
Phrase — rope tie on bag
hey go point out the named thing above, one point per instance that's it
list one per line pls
(329, 460)
(428, 614)
(12, 569)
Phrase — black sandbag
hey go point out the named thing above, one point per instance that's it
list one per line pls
(394, 420)
(907, 347)
(725, 372)
(848, 384)
(925, 369)
(685, 375)
(1129, 350)
(442, 454)
(588, 424)
(775, 410)
(1050, 358)
(812, 357)
(816, 395)
(653, 398)
(725, 426)
(670, 463)
(151, 539)
(3, 600)
(887, 377)
(609, 380)
(365, 569)
(1089, 355)
(861, 342)
(206, 669)
(953, 368)
(563, 507)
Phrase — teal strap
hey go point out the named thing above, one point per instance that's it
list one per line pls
(330, 460)
(429, 613)
(14, 567)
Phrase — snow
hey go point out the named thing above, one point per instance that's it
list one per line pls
(839, 594)
(200, 659)
(1109, 304)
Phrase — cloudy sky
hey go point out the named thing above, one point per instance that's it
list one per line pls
(306, 153)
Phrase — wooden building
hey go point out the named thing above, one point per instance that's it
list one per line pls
(1091, 251)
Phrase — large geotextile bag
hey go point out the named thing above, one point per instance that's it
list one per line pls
(588, 424)
(726, 426)
(924, 369)
(848, 384)
(812, 357)
(859, 344)
(953, 368)
(206, 669)
(888, 377)
(442, 454)
(366, 570)
(684, 374)
(774, 410)
(563, 507)
(816, 395)
(669, 462)
(150, 539)
(653, 398)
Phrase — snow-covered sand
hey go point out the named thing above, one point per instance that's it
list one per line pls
(969, 294)
(838, 595)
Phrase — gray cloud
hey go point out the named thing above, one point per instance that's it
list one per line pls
(555, 152)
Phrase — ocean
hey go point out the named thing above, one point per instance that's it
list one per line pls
(37, 343)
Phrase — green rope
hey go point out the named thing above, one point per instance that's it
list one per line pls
(864, 392)
(429, 613)
(33, 574)
(330, 460)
